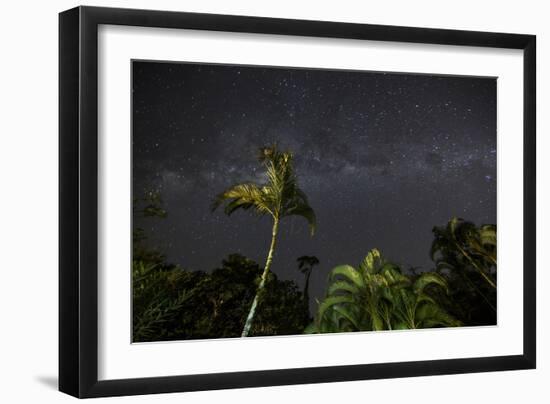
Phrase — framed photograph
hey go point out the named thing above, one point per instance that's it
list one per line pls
(251, 201)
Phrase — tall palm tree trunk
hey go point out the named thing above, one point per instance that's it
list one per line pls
(306, 288)
(252, 312)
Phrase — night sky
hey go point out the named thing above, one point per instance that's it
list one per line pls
(382, 157)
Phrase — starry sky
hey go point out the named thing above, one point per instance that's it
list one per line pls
(383, 157)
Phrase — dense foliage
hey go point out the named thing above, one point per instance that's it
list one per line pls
(466, 256)
(378, 296)
(172, 304)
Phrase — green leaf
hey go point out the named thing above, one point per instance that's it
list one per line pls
(349, 273)
(430, 315)
(393, 274)
(429, 278)
(401, 326)
(342, 287)
(372, 262)
(311, 329)
(307, 213)
(488, 235)
(349, 314)
(330, 301)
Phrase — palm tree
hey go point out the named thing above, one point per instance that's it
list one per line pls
(465, 255)
(462, 244)
(377, 296)
(278, 197)
(305, 265)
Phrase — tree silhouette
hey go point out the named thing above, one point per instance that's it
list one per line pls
(305, 265)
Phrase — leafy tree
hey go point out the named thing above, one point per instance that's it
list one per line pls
(174, 304)
(467, 245)
(156, 299)
(377, 296)
(466, 256)
(279, 197)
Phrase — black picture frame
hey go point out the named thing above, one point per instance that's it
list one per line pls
(78, 201)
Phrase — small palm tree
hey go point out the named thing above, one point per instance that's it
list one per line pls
(377, 296)
(278, 197)
(462, 243)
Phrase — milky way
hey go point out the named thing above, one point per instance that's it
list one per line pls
(382, 157)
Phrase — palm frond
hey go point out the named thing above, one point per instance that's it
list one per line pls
(331, 301)
(307, 213)
(429, 278)
(432, 315)
(348, 273)
(280, 196)
(342, 287)
(349, 313)
(243, 196)
(488, 235)
(372, 262)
